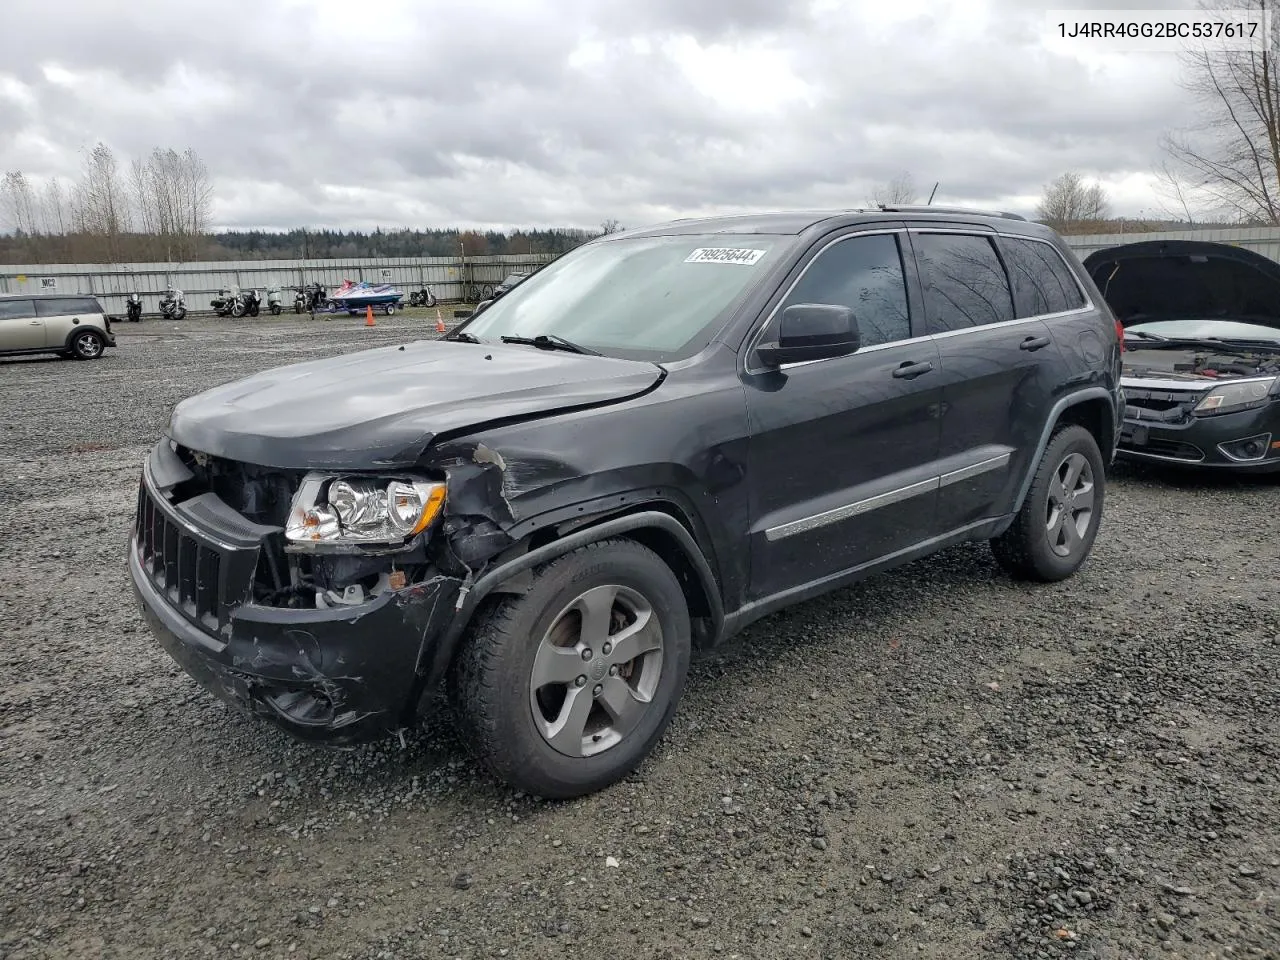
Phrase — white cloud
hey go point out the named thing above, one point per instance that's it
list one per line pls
(559, 112)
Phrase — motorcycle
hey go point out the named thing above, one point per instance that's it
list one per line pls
(274, 300)
(173, 305)
(225, 302)
(425, 297)
(134, 308)
(308, 298)
(236, 303)
(251, 304)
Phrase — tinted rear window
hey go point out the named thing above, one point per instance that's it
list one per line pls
(16, 309)
(62, 306)
(964, 282)
(1042, 282)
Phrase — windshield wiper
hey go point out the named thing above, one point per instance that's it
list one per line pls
(1208, 343)
(463, 337)
(549, 341)
(1244, 343)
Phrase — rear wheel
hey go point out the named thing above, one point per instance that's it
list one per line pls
(87, 345)
(565, 689)
(1058, 522)
(389, 309)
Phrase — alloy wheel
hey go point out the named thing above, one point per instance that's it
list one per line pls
(1070, 507)
(596, 671)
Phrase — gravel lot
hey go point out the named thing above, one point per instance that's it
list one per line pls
(937, 763)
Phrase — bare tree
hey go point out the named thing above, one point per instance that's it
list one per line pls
(100, 206)
(900, 190)
(1231, 158)
(53, 208)
(610, 226)
(18, 203)
(1071, 201)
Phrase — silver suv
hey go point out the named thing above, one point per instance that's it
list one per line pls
(73, 326)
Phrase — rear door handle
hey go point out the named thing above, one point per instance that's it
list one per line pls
(1033, 343)
(910, 370)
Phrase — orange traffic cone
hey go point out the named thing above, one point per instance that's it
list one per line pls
(440, 328)
(368, 315)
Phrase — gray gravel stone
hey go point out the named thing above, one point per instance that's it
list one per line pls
(1135, 697)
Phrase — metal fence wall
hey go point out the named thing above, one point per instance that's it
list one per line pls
(1263, 240)
(449, 277)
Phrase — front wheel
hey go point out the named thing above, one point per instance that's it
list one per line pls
(1055, 529)
(180, 313)
(565, 689)
(275, 309)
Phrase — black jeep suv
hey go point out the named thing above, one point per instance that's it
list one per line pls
(649, 444)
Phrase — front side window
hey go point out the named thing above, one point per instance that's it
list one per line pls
(964, 282)
(647, 298)
(864, 274)
(16, 310)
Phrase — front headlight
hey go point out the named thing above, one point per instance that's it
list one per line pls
(364, 510)
(1235, 395)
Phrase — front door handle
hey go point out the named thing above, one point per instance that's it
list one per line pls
(1033, 343)
(910, 370)
(36, 323)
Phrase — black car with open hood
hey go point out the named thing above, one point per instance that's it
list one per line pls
(1202, 352)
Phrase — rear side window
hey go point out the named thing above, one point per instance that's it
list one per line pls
(864, 274)
(1042, 282)
(964, 282)
(16, 310)
(63, 306)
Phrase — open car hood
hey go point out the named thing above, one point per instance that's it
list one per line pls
(382, 407)
(1187, 279)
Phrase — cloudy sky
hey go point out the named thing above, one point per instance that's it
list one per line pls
(525, 112)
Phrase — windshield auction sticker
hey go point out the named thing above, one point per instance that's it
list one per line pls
(741, 255)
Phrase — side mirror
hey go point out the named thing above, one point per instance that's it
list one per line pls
(812, 331)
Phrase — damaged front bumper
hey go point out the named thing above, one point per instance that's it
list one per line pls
(341, 675)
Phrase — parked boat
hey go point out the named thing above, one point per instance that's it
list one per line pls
(354, 297)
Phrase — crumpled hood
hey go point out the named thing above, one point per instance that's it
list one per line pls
(382, 407)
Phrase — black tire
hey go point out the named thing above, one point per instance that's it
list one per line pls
(492, 676)
(1032, 548)
(275, 309)
(180, 314)
(87, 345)
(389, 309)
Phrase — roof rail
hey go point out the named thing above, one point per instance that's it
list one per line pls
(933, 208)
